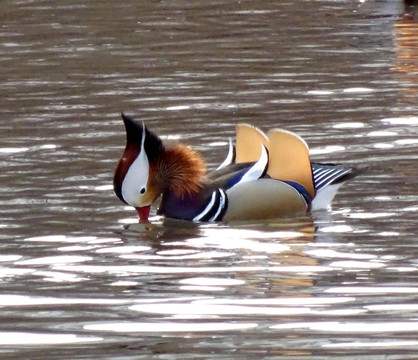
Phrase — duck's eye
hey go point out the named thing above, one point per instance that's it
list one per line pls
(142, 191)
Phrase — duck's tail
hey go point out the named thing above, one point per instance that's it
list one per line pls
(328, 178)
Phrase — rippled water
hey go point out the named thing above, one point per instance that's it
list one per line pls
(81, 278)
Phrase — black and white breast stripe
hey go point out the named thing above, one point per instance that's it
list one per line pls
(215, 209)
(327, 174)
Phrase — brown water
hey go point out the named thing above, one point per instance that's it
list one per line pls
(81, 279)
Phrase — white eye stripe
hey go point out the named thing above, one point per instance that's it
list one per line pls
(136, 177)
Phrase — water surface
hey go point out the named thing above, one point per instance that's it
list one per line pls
(81, 278)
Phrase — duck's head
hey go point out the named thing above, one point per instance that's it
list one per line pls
(132, 182)
(148, 169)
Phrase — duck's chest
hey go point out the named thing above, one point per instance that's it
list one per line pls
(203, 206)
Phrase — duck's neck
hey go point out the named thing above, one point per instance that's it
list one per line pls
(179, 170)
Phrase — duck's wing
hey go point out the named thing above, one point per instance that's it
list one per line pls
(328, 178)
(249, 141)
(230, 158)
(241, 191)
(237, 173)
(288, 154)
(248, 146)
(289, 159)
(250, 193)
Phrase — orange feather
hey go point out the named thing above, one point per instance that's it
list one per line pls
(179, 169)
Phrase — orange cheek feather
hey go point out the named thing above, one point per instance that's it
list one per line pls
(151, 195)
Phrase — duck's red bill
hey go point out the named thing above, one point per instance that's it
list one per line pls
(143, 212)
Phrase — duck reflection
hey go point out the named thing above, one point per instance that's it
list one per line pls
(236, 250)
(410, 9)
(406, 46)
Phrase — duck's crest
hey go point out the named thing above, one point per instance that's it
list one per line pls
(288, 154)
(135, 131)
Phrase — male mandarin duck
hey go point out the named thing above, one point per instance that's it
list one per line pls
(264, 176)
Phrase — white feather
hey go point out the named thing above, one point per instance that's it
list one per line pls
(229, 158)
(136, 177)
(324, 196)
(258, 169)
(208, 207)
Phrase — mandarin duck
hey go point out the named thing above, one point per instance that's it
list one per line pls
(264, 176)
